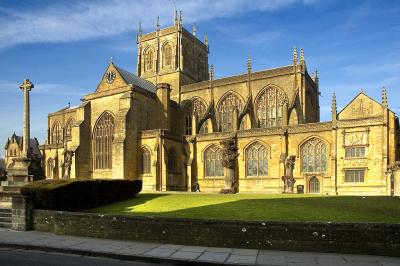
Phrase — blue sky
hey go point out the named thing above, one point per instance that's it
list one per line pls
(63, 47)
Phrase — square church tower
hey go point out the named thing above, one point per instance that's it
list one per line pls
(172, 55)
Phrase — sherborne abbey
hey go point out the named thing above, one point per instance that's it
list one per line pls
(164, 125)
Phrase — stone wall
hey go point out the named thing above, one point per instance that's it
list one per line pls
(364, 238)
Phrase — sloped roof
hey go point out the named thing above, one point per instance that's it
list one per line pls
(131, 78)
(33, 144)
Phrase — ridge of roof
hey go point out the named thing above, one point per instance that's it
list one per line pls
(131, 78)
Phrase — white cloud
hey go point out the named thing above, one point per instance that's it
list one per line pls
(44, 88)
(94, 19)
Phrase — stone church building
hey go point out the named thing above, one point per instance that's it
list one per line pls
(164, 125)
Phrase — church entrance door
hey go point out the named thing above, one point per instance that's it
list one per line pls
(313, 185)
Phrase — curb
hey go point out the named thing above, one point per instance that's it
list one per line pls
(110, 255)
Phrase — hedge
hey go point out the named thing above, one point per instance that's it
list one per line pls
(79, 194)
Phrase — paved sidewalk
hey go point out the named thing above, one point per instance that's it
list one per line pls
(179, 254)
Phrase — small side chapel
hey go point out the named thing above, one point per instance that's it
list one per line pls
(164, 125)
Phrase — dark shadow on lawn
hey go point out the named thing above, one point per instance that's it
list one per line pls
(122, 206)
(339, 209)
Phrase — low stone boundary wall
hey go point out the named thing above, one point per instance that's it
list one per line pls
(363, 238)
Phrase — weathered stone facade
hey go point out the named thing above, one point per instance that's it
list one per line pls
(165, 124)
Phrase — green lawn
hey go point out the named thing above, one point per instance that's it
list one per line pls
(257, 207)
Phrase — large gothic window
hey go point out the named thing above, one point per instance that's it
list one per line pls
(103, 134)
(213, 162)
(195, 108)
(225, 108)
(56, 133)
(171, 164)
(256, 160)
(145, 162)
(149, 60)
(167, 55)
(269, 107)
(68, 129)
(313, 155)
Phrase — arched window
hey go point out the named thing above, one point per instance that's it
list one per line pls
(195, 107)
(167, 55)
(204, 127)
(225, 108)
(148, 59)
(171, 160)
(103, 134)
(56, 133)
(213, 162)
(269, 107)
(50, 168)
(68, 129)
(313, 155)
(256, 160)
(145, 162)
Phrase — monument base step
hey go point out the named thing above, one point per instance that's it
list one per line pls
(15, 189)
(13, 183)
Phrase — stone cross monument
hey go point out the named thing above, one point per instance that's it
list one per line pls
(18, 171)
(26, 87)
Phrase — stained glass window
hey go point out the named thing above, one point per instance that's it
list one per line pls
(195, 107)
(103, 134)
(256, 160)
(269, 107)
(354, 176)
(313, 155)
(213, 162)
(225, 108)
(145, 161)
(171, 160)
(56, 133)
(68, 129)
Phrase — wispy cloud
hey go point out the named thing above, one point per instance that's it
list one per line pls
(94, 19)
(44, 88)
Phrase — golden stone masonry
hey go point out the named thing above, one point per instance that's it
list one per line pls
(164, 126)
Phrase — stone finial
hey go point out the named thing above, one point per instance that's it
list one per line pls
(194, 30)
(384, 96)
(158, 23)
(334, 102)
(180, 18)
(26, 85)
(111, 60)
(140, 32)
(301, 56)
(212, 72)
(175, 15)
(206, 40)
(294, 55)
(334, 107)
(248, 64)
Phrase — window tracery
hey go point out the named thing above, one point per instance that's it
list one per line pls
(313, 154)
(226, 107)
(213, 162)
(269, 107)
(256, 160)
(103, 134)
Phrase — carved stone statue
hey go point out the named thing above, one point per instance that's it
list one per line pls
(288, 178)
(229, 155)
(67, 164)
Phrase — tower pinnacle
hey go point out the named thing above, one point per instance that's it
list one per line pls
(384, 96)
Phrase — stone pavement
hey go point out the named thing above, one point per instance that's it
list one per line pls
(179, 254)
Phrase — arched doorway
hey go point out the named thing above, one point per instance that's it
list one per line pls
(313, 185)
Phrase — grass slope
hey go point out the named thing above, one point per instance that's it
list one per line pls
(255, 207)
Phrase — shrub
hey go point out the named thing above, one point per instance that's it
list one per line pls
(79, 194)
